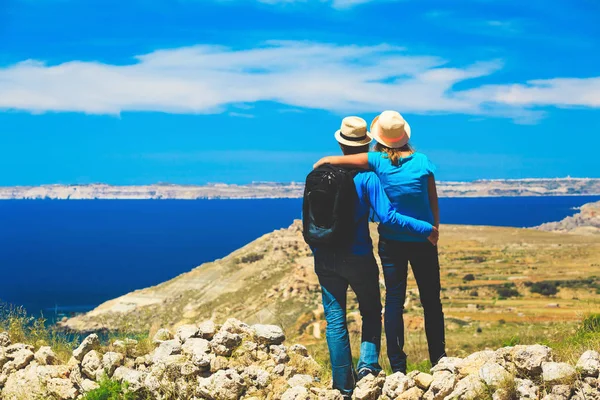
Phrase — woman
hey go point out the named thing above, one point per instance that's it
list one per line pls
(408, 180)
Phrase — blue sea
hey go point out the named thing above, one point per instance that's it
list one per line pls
(62, 257)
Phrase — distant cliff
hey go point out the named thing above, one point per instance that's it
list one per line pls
(480, 188)
(587, 221)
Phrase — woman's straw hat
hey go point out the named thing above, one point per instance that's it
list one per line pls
(390, 129)
(353, 132)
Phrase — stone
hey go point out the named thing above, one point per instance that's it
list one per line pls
(423, 380)
(45, 356)
(61, 389)
(185, 332)
(449, 364)
(529, 359)
(279, 369)
(441, 386)
(224, 342)
(207, 330)
(91, 365)
(4, 339)
(472, 363)
(299, 349)
(589, 363)
(586, 392)
(326, 394)
(370, 387)
(135, 379)
(198, 350)
(31, 382)
(165, 349)
(111, 361)
(258, 376)
(162, 336)
(414, 393)
(300, 380)
(268, 334)
(222, 385)
(3, 358)
(296, 393)
(494, 375)
(526, 389)
(236, 326)
(396, 384)
(90, 343)
(562, 390)
(279, 354)
(87, 385)
(469, 388)
(20, 356)
(558, 373)
(218, 363)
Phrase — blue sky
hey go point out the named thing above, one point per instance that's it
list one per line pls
(196, 91)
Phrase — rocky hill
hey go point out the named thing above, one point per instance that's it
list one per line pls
(237, 361)
(587, 221)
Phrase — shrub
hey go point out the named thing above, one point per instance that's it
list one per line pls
(110, 390)
(469, 277)
(591, 323)
(252, 257)
(474, 293)
(507, 292)
(544, 288)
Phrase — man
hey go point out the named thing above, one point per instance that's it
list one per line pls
(356, 267)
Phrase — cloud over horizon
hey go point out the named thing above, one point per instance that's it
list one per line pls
(337, 78)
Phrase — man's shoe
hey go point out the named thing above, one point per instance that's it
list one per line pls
(364, 372)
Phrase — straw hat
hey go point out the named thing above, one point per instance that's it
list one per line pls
(390, 129)
(353, 132)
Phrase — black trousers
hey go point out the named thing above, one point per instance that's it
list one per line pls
(423, 258)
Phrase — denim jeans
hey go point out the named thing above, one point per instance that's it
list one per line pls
(336, 271)
(423, 258)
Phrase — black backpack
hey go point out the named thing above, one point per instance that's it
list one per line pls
(329, 206)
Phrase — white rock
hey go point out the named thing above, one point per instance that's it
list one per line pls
(441, 386)
(222, 385)
(529, 359)
(207, 330)
(558, 373)
(236, 326)
(300, 380)
(423, 380)
(20, 356)
(449, 364)
(135, 379)
(268, 334)
(258, 376)
(90, 343)
(162, 335)
(61, 389)
(185, 332)
(111, 361)
(198, 350)
(87, 385)
(369, 388)
(279, 354)
(224, 342)
(494, 374)
(91, 364)
(469, 388)
(472, 363)
(45, 356)
(166, 349)
(396, 384)
(299, 349)
(526, 389)
(589, 363)
(562, 390)
(4, 339)
(414, 393)
(296, 393)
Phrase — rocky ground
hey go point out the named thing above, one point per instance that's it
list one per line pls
(587, 221)
(237, 361)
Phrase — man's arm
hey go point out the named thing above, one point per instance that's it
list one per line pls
(433, 201)
(352, 161)
(389, 216)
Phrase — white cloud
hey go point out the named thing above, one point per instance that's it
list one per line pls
(210, 79)
(339, 4)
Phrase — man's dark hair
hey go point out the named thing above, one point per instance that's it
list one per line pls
(349, 150)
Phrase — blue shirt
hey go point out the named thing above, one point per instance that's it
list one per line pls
(407, 188)
(371, 196)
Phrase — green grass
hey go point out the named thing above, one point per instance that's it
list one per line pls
(110, 390)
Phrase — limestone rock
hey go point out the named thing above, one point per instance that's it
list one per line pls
(111, 361)
(469, 388)
(449, 364)
(185, 332)
(257, 376)
(423, 380)
(299, 349)
(296, 393)
(4, 339)
(61, 389)
(529, 359)
(91, 364)
(327, 394)
(589, 363)
(370, 387)
(494, 374)
(224, 342)
(558, 373)
(414, 393)
(87, 385)
(90, 343)
(396, 384)
(45, 356)
(236, 326)
(279, 354)
(222, 385)
(20, 356)
(198, 349)
(441, 386)
(166, 349)
(526, 389)
(562, 390)
(300, 380)
(135, 379)
(162, 336)
(472, 363)
(207, 330)
(268, 334)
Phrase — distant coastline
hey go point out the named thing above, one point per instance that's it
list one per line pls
(265, 190)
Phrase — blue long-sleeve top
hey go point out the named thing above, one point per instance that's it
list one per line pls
(371, 195)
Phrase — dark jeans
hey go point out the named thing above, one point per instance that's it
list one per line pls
(423, 258)
(336, 271)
